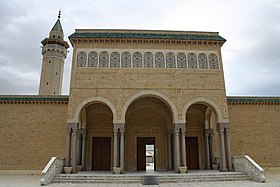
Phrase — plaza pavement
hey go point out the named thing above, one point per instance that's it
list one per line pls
(273, 180)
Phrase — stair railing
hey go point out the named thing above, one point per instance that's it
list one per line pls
(54, 167)
(250, 167)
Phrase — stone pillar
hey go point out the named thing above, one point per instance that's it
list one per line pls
(176, 150)
(228, 148)
(122, 150)
(83, 149)
(74, 150)
(115, 164)
(169, 151)
(220, 129)
(207, 149)
(211, 147)
(79, 148)
(183, 147)
(68, 146)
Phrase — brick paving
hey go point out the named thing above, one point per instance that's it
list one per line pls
(273, 180)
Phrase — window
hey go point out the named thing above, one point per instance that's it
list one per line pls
(170, 60)
(202, 61)
(92, 59)
(159, 60)
(192, 61)
(213, 61)
(115, 59)
(181, 60)
(126, 59)
(104, 59)
(137, 60)
(148, 60)
(81, 59)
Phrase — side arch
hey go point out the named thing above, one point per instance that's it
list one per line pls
(89, 100)
(150, 93)
(207, 101)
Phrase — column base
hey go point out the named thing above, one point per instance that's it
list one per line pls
(117, 170)
(183, 169)
(223, 169)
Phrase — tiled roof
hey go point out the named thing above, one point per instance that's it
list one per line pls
(34, 98)
(57, 27)
(244, 99)
(139, 35)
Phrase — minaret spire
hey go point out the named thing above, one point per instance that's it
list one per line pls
(59, 14)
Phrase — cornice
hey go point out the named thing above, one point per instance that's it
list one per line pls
(253, 100)
(33, 99)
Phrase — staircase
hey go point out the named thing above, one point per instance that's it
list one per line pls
(161, 177)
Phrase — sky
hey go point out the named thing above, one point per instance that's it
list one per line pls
(251, 55)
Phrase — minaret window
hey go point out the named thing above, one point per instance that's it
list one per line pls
(92, 59)
(126, 59)
(81, 59)
(148, 60)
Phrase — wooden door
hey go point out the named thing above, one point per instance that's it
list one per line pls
(101, 153)
(192, 153)
(141, 152)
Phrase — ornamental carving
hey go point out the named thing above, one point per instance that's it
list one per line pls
(126, 59)
(148, 60)
(81, 59)
(104, 59)
(92, 59)
(137, 60)
(115, 59)
(170, 60)
(192, 61)
(202, 61)
(181, 60)
(213, 61)
(159, 60)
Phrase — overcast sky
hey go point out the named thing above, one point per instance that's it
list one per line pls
(251, 55)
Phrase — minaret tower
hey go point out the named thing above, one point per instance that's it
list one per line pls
(54, 52)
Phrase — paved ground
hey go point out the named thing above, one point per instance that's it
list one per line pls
(273, 180)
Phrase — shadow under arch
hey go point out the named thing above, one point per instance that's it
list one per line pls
(91, 100)
(150, 93)
(206, 101)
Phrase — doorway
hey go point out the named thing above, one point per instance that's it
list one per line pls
(146, 154)
(192, 153)
(101, 153)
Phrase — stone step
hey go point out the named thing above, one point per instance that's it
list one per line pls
(170, 178)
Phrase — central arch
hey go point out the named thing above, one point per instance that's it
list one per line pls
(150, 93)
(148, 121)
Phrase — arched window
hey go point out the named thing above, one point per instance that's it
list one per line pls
(192, 61)
(104, 59)
(92, 59)
(81, 59)
(115, 59)
(170, 60)
(202, 61)
(181, 60)
(159, 60)
(213, 61)
(137, 60)
(126, 59)
(148, 60)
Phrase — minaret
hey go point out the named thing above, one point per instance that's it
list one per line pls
(54, 52)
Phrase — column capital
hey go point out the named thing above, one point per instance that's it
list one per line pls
(208, 132)
(82, 132)
(72, 126)
(119, 125)
(221, 126)
(179, 126)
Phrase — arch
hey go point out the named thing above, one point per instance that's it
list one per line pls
(89, 100)
(203, 100)
(150, 93)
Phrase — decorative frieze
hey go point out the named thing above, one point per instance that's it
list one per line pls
(139, 59)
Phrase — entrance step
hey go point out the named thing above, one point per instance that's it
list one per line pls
(161, 178)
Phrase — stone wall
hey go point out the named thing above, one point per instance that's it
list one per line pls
(31, 133)
(255, 131)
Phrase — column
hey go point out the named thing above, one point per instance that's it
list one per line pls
(115, 164)
(84, 150)
(79, 148)
(183, 147)
(176, 150)
(228, 148)
(68, 147)
(74, 150)
(207, 150)
(211, 147)
(122, 150)
(169, 151)
(220, 130)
